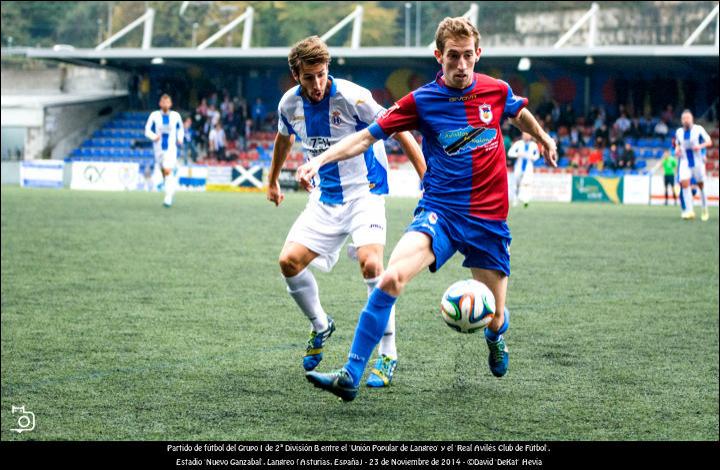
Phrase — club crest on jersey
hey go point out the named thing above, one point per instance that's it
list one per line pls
(486, 113)
(432, 218)
(335, 119)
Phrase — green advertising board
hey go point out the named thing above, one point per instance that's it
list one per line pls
(597, 189)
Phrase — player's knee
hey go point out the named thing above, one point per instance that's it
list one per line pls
(289, 264)
(371, 266)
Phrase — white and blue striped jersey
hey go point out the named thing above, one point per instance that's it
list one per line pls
(526, 153)
(170, 129)
(348, 108)
(689, 138)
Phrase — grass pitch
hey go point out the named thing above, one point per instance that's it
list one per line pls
(125, 321)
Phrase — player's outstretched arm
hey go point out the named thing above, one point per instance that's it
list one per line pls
(281, 149)
(413, 152)
(526, 122)
(348, 147)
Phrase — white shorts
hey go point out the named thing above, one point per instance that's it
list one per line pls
(697, 172)
(167, 159)
(523, 176)
(323, 228)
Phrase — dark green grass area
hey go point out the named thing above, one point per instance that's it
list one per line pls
(123, 320)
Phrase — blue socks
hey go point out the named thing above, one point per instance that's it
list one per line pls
(369, 332)
(491, 335)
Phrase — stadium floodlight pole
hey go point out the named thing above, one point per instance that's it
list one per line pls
(418, 4)
(147, 18)
(591, 13)
(407, 23)
(702, 27)
(357, 16)
(246, 17)
(471, 14)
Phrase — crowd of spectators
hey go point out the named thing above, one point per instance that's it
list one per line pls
(601, 140)
(220, 129)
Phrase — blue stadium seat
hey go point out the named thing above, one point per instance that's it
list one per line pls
(647, 153)
(593, 172)
(564, 162)
(659, 153)
(641, 164)
(608, 173)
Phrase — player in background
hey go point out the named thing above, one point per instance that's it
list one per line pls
(165, 128)
(669, 164)
(691, 140)
(526, 152)
(465, 201)
(347, 199)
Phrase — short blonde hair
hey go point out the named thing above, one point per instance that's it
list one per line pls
(309, 51)
(457, 28)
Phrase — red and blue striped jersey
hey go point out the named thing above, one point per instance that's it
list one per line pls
(462, 142)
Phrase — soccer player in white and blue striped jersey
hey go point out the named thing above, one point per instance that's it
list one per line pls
(345, 199)
(526, 152)
(691, 142)
(165, 128)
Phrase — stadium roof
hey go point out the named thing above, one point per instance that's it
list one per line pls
(132, 58)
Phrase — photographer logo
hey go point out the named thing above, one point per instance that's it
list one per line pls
(25, 419)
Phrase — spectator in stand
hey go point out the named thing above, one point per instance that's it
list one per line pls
(622, 125)
(668, 116)
(225, 107)
(647, 125)
(611, 157)
(202, 108)
(555, 114)
(595, 157)
(248, 131)
(627, 159)
(575, 137)
(213, 101)
(567, 116)
(217, 142)
(634, 130)
(603, 133)
(258, 114)
(661, 129)
(189, 137)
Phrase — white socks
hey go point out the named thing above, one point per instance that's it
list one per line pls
(304, 289)
(169, 188)
(387, 343)
(703, 197)
(687, 195)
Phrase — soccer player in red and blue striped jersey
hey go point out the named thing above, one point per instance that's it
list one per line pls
(465, 200)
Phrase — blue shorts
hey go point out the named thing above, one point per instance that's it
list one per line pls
(484, 243)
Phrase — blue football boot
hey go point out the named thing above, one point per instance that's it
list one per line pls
(381, 375)
(314, 350)
(499, 356)
(338, 382)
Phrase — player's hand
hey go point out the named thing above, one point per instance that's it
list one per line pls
(306, 172)
(549, 152)
(678, 152)
(275, 194)
(157, 138)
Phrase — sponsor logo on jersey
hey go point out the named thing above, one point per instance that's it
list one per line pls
(466, 139)
(486, 113)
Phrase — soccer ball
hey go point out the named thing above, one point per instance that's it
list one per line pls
(467, 306)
